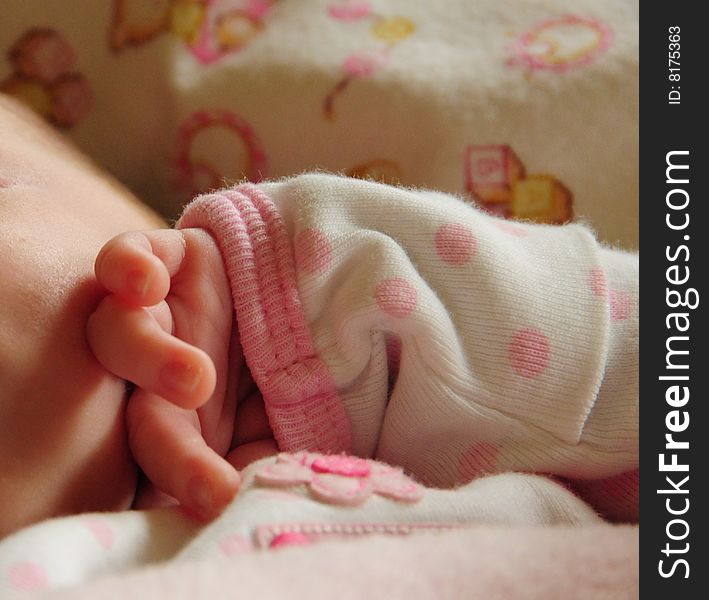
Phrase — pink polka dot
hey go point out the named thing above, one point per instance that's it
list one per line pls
(28, 576)
(290, 539)
(622, 305)
(511, 229)
(234, 544)
(455, 244)
(529, 352)
(597, 281)
(396, 297)
(480, 459)
(313, 251)
(102, 531)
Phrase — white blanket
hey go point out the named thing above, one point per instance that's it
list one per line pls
(271, 512)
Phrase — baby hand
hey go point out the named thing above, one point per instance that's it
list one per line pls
(166, 326)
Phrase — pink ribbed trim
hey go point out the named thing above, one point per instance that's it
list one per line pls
(303, 406)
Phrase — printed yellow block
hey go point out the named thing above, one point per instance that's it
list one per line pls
(541, 198)
(491, 172)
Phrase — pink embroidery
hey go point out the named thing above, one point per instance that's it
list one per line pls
(561, 44)
(196, 174)
(343, 480)
(284, 473)
(529, 353)
(334, 489)
(102, 531)
(303, 405)
(27, 576)
(455, 244)
(396, 297)
(290, 539)
(267, 535)
(340, 464)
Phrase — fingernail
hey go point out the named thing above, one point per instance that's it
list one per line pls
(180, 378)
(201, 496)
(138, 282)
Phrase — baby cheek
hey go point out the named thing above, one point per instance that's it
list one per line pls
(74, 453)
(61, 467)
(106, 472)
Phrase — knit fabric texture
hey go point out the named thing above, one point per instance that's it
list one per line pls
(408, 326)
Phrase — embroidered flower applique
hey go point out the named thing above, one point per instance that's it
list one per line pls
(340, 479)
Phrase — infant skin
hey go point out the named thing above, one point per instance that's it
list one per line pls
(376, 321)
(65, 447)
(167, 326)
(430, 358)
(63, 441)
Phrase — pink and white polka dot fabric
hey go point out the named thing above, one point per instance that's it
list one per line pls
(35, 559)
(506, 334)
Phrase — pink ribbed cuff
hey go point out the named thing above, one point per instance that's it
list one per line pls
(303, 406)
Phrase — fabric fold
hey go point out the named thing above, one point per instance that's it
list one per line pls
(301, 401)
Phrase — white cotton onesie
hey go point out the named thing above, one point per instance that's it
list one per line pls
(408, 326)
